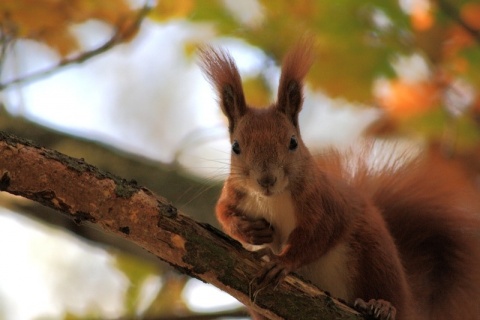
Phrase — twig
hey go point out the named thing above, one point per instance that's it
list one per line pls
(116, 39)
(452, 12)
(7, 38)
(239, 313)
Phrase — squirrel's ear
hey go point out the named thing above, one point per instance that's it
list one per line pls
(222, 72)
(294, 68)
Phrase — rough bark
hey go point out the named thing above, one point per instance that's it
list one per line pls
(166, 179)
(169, 180)
(86, 193)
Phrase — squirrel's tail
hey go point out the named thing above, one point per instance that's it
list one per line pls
(433, 213)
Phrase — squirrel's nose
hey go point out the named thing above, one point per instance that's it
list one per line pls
(267, 181)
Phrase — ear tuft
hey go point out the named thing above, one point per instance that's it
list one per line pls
(221, 70)
(295, 66)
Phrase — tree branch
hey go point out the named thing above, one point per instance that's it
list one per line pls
(124, 30)
(166, 179)
(86, 193)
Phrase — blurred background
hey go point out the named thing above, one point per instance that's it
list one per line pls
(116, 82)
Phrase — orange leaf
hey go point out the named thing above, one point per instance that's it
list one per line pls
(421, 17)
(406, 99)
(470, 14)
(61, 41)
(128, 28)
(49, 21)
(458, 39)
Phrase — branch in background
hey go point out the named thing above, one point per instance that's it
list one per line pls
(241, 313)
(452, 12)
(124, 30)
(85, 193)
(6, 40)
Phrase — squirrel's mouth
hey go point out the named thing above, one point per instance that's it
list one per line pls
(263, 192)
(267, 192)
(267, 185)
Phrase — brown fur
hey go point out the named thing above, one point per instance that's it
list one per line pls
(405, 232)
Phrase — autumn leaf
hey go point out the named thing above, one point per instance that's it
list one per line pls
(50, 22)
(403, 99)
(470, 13)
(422, 16)
(171, 9)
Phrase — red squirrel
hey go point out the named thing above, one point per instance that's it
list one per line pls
(401, 240)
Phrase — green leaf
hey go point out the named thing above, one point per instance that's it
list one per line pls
(348, 60)
(137, 271)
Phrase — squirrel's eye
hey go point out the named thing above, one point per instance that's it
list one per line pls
(235, 147)
(293, 143)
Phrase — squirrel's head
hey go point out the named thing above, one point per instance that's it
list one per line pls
(267, 150)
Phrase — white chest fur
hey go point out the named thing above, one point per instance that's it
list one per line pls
(277, 209)
(330, 272)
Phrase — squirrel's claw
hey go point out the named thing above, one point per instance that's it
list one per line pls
(380, 309)
(272, 273)
(272, 276)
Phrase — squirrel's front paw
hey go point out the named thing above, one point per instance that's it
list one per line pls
(272, 274)
(380, 309)
(254, 231)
